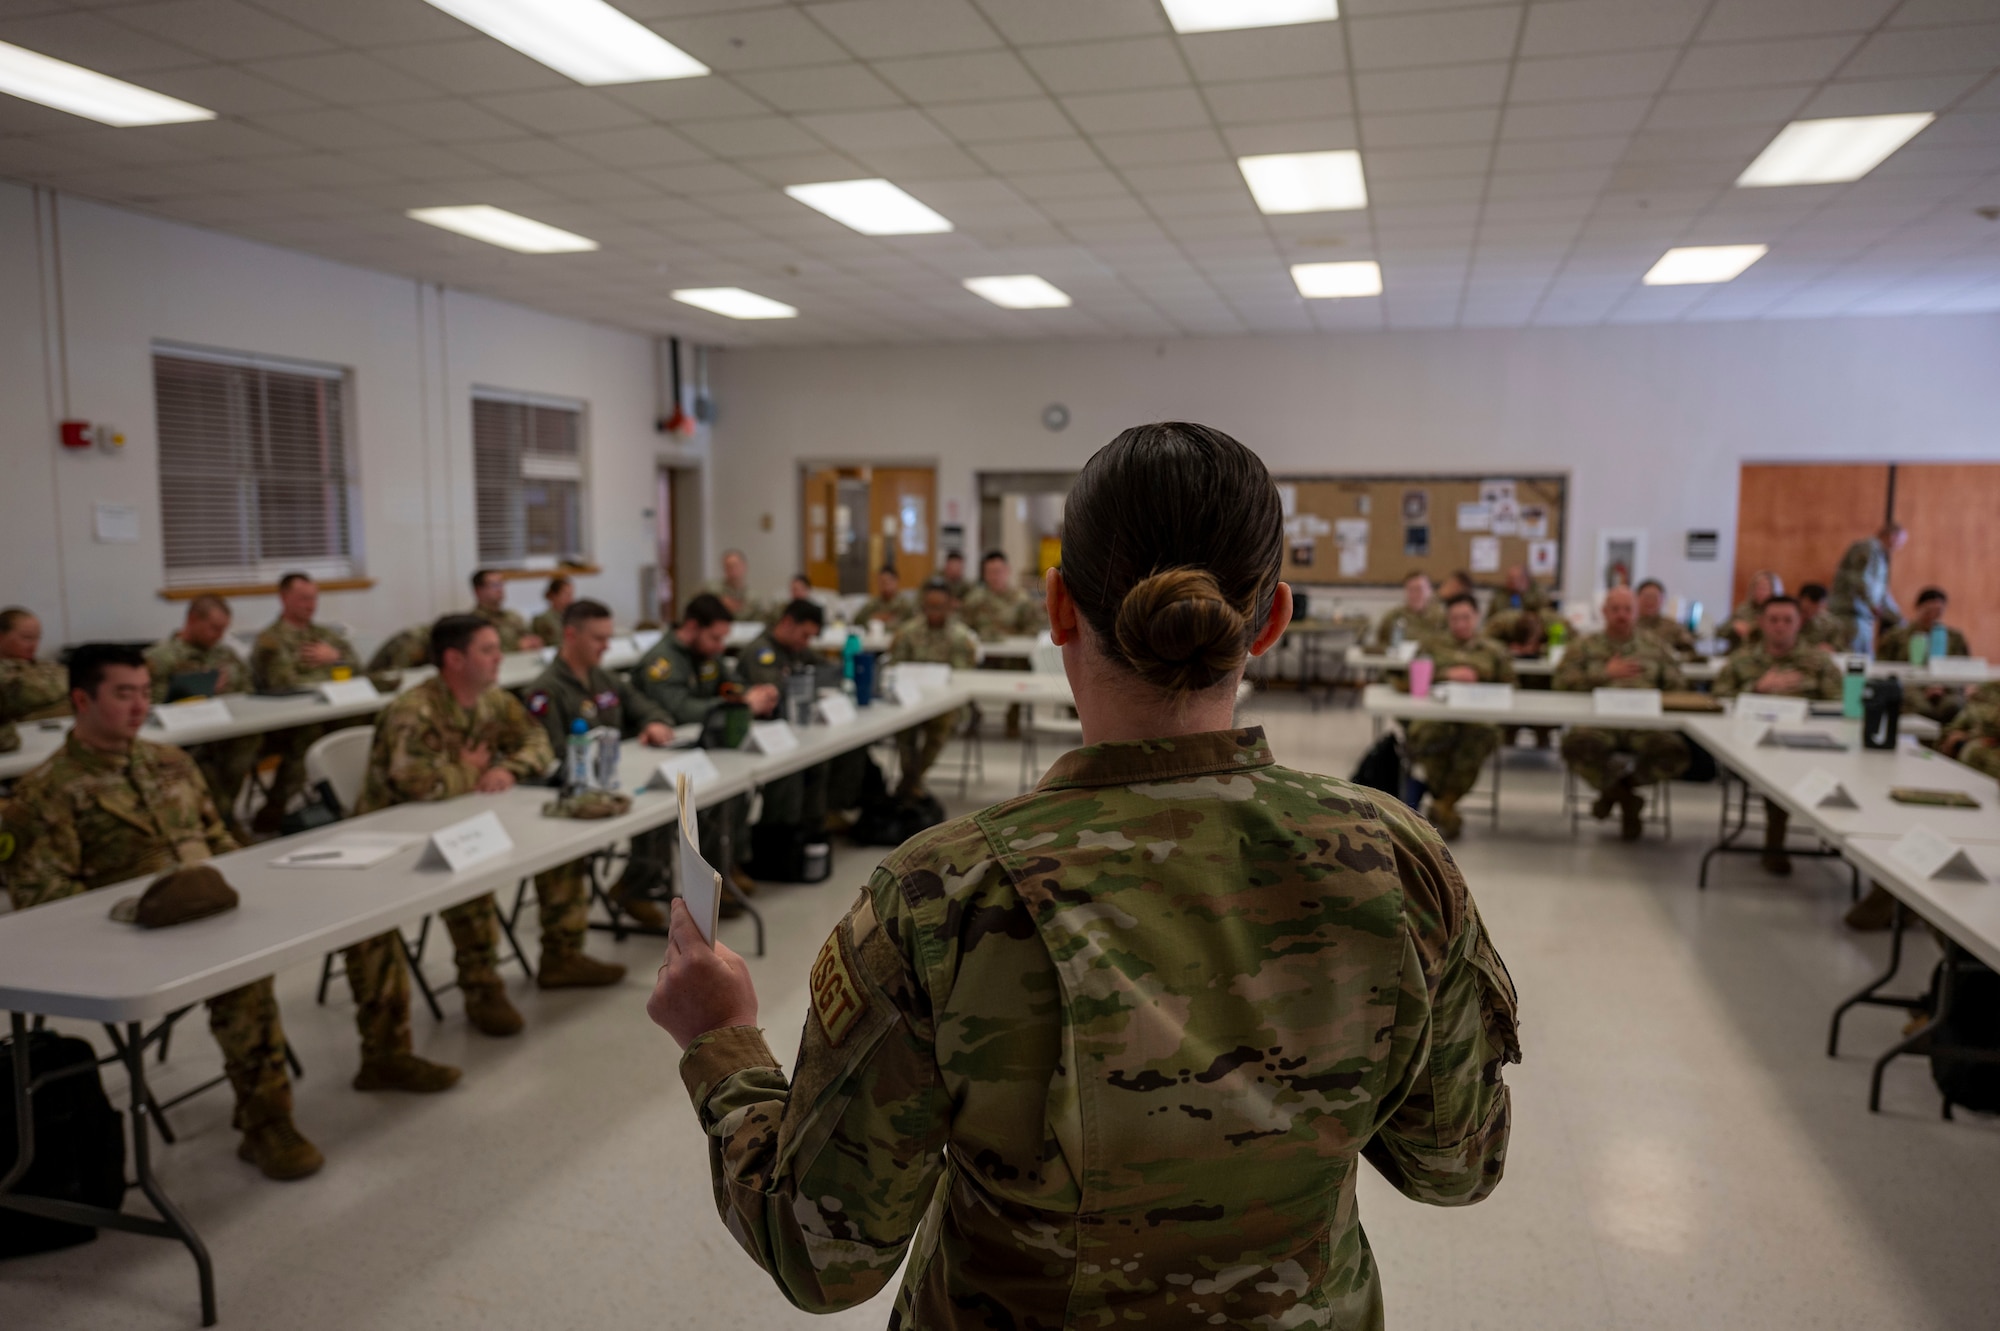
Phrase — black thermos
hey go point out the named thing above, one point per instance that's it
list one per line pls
(1881, 712)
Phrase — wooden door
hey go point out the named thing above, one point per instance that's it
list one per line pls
(668, 588)
(1954, 544)
(816, 528)
(1798, 520)
(902, 521)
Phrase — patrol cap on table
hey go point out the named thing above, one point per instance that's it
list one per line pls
(588, 804)
(176, 897)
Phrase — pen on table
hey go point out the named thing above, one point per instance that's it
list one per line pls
(308, 856)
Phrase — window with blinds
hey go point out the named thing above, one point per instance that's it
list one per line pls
(256, 473)
(527, 472)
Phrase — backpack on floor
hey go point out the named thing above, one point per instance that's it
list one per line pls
(1974, 1020)
(891, 822)
(79, 1142)
(788, 853)
(1381, 768)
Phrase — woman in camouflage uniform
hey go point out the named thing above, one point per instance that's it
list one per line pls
(1121, 1043)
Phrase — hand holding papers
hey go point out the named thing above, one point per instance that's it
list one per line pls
(700, 885)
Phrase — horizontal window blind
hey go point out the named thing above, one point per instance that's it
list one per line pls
(527, 465)
(256, 477)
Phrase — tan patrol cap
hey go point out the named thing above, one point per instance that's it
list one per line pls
(177, 897)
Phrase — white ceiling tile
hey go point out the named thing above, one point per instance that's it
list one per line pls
(1000, 122)
(445, 120)
(369, 23)
(1037, 155)
(1277, 99)
(1110, 66)
(1026, 22)
(1067, 185)
(473, 65)
(942, 161)
(1296, 136)
(862, 131)
(1965, 49)
(1583, 27)
(1761, 64)
(1872, 97)
(756, 39)
(972, 77)
(526, 156)
(1575, 78)
(1266, 53)
(878, 29)
(562, 110)
(802, 168)
(1547, 185)
(1766, 107)
(1177, 176)
(1405, 163)
(343, 77)
(1733, 20)
(228, 90)
(843, 87)
(1428, 189)
(223, 29)
(332, 128)
(1125, 112)
(1456, 37)
(1443, 88)
(752, 136)
(1575, 120)
(95, 43)
(1425, 129)
(639, 145)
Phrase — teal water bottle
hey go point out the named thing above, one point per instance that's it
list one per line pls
(1919, 649)
(1852, 686)
(1940, 643)
(848, 653)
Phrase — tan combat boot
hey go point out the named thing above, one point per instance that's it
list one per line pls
(273, 1143)
(575, 970)
(1445, 818)
(1874, 912)
(744, 882)
(643, 910)
(487, 1008)
(402, 1070)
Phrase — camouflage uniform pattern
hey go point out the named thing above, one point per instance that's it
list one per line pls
(1534, 600)
(405, 650)
(742, 602)
(225, 763)
(994, 615)
(85, 820)
(1120, 1045)
(686, 689)
(1978, 729)
(275, 667)
(1418, 625)
(548, 627)
(512, 628)
(1675, 635)
(1859, 585)
(29, 691)
(1450, 754)
(1894, 644)
(1741, 671)
(1592, 752)
(1822, 630)
(918, 747)
(892, 611)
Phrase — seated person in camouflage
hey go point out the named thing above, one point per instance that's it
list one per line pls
(1779, 664)
(180, 664)
(558, 594)
(1901, 643)
(405, 649)
(996, 608)
(1456, 583)
(1618, 764)
(1742, 630)
(733, 590)
(30, 690)
(292, 656)
(1973, 736)
(890, 605)
(489, 602)
(1652, 594)
(1449, 754)
(1113, 1052)
(1524, 633)
(576, 687)
(953, 576)
(1820, 629)
(1520, 594)
(936, 637)
(804, 799)
(1420, 617)
(459, 734)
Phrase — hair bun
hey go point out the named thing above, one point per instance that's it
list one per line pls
(1179, 633)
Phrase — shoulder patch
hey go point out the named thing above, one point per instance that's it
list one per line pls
(836, 998)
(6, 845)
(662, 667)
(767, 657)
(538, 701)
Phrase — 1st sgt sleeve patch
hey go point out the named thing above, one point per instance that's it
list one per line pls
(836, 997)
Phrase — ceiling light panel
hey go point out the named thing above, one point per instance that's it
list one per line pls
(1336, 281)
(511, 231)
(588, 40)
(735, 303)
(872, 207)
(1830, 152)
(85, 92)
(1693, 264)
(1023, 291)
(1217, 15)
(1322, 182)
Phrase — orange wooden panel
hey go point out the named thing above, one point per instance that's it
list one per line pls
(1950, 509)
(894, 495)
(1798, 520)
(816, 529)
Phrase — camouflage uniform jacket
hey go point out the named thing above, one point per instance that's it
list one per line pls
(1418, 625)
(511, 626)
(1120, 1043)
(953, 644)
(1671, 633)
(1894, 645)
(557, 698)
(548, 627)
(742, 602)
(684, 686)
(1534, 599)
(1743, 669)
(274, 661)
(29, 691)
(892, 611)
(419, 737)
(1489, 658)
(173, 655)
(768, 661)
(1584, 664)
(993, 615)
(85, 819)
(960, 587)
(1822, 630)
(404, 651)
(1861, 583)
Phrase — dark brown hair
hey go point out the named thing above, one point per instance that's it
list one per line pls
(1172, 540)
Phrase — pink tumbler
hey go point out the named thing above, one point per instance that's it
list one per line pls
(1420, 676)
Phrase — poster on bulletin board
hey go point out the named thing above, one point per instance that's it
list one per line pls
(1371, 531)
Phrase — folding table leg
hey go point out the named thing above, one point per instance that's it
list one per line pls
(142, 1167)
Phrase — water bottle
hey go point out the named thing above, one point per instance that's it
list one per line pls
(1882, 713)
(1558, 633)
(1852, 686)
(848, 652)
(1396, 635)
(1940, 642)
(576, 761)
(1918, 649)
(604, 746)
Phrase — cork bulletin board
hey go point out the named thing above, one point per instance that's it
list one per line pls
(1371, 531)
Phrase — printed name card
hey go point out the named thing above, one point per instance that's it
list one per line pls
(836, 709)
(646, 639)
(926, 675)
(909, 693)
(343, 691)
(1478, 697)
(1771, 709)
(695, 763)
(1404, 652)
(471, 841)
(1958, 667)
(622, 649)
(1625, 702)
(1929, 855)
(1821, 789)
(180, 717)
(773, 738)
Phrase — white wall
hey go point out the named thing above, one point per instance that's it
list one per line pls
(1649, 422)
(414, 353)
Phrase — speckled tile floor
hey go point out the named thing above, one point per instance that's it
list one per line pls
(1684, 1154)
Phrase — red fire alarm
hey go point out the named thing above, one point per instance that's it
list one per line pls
(76, 434)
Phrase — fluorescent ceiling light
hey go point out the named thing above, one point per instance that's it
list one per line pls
(585, 39)
(1215, 15)
(1690, 264)
(1306, 182)
(735, 303)
(497, 226)
(1332, 281)
(85, 92)
(1827, 152)
(1022, 292)
(872, 207)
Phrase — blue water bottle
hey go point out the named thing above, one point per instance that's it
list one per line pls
(576, 762)
(1940, 643)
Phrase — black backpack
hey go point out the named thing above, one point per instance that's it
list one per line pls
(787, 853)
(891, 822)
(1974, 1021)
(79, 1142)
(1381, 768)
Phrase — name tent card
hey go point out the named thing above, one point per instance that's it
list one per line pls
(694, 764)
(342, 691)
(773, 738)
(1625, 702)
(180, 717)
(1403, 652)
(474, 840)
(1958, 667)
(1771, 709)
(646, 639)
(622, 649)
(836, 709)
(1821, 789)
(1928, 855)
(909, 693)
(1478, 697)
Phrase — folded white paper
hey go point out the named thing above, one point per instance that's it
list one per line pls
(699, 884)
(773, 738)
(177, 718)
(692, 763)
(622, 649)
(1478, 697)
(1771, 708)
(471, 841)
(909, 693)
(836, 709)
(1404, 652)
(646, 639)
(926, 675)
(1625, 702)
(341, 691)
(1928, 855)
(346, 850)
(1958, 667)
(1821, 789)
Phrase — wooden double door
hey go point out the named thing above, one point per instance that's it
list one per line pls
(858, 519)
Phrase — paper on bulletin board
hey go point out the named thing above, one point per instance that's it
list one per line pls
(1475, 517)
(1353, 560)
(1493, 492)
(1506, 517)
(1534, 523)
(1541, 558)
(1288, 498)
(1416, 505)
(1485, 554)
